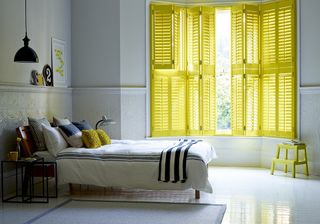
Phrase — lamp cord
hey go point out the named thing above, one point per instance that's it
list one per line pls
(25, 16)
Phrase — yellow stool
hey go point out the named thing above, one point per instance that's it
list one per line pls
(292, 162)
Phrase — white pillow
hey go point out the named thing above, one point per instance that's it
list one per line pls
(53, 139)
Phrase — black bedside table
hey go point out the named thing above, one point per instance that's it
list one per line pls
(25, 180)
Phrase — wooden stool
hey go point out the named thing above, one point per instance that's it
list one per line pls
(292, 162)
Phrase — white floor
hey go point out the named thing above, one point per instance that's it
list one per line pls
(252, 195)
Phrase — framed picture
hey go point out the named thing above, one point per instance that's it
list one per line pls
(59, 63)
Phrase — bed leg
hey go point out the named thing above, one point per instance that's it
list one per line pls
(197, 194)
(70, 188)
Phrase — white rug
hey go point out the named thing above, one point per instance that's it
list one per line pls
(113, 212)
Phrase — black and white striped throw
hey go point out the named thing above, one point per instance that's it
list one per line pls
(173, 161)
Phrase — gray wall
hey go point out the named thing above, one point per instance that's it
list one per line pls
(310, 47)
(46, 19)
(95, 43)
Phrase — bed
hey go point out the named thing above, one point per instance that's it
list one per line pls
(132, 164)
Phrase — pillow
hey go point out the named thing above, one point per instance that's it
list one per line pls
(72, 135)
(36, 131)
(103, 136)
(82, 125)
(90, 138)
(53, 139)
(60, 121)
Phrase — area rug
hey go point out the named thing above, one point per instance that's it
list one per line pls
(112, 212)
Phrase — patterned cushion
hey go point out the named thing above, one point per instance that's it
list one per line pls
(103, 136)
(72, 135)
(36, 131)
(90, 138)
(53, 139)
(82, 125)
(60, 121)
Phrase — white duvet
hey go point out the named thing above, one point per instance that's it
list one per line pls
(131, 164)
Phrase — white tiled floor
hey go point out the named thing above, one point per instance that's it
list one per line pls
(252, 196)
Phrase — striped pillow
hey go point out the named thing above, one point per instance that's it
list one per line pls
(36, 131)
(72, 135)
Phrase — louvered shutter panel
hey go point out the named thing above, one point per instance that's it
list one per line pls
(237, 70)
(278, 69)
(168, 83)
(160, 106)
(286, 65)
(269, 70)
(252, 80)
(162, 36)
(208, 71)
(193, 71)
(178, 105)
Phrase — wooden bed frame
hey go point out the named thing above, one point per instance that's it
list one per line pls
(28, 148)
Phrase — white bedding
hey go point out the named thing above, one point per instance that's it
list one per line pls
(132, 164)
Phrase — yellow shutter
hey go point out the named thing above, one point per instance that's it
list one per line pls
(286, 63)
(160, 106)
(208, 71)
(269, 70)
(193, 71)
(162, 36)
(252, 60)
(278, 68)
(168, 83)
(237, 70)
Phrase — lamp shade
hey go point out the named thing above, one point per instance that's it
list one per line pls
(104, 121)
(26, 54)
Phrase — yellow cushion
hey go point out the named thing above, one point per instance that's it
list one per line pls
(90, 138)
(104, 138)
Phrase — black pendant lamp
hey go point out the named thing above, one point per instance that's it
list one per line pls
(26, 54)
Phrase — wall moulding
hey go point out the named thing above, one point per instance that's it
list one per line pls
(8, 87)
(309, 90)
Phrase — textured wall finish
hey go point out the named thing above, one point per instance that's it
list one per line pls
(18, 103)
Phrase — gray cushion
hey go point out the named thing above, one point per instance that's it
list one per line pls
(36, 131)
(82, 125)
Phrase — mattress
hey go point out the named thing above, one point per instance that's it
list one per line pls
(132, 164)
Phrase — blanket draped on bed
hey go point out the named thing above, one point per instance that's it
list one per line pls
(173, 161)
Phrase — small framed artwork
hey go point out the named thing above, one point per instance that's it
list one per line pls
(59, 62)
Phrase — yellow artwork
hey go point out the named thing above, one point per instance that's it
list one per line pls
(59, 64)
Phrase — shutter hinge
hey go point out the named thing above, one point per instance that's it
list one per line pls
(244, 76)
(200, 62)
(244, 128)
(244, 10)
(200, 128)
(173, 62)
(172, 11)
(244, 61)
(200, 76)
(200, 13)
(187, 127)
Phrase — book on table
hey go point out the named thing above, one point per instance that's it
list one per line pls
(293, 142)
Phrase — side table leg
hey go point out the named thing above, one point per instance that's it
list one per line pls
(286, 158)
(306, 169)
